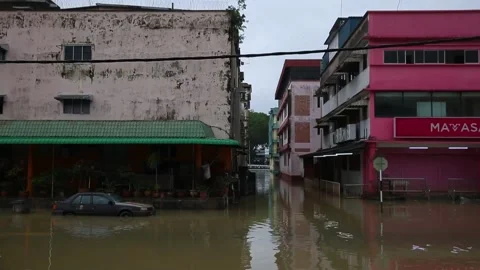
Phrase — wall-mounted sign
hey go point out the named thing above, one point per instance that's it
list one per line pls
(436, 127)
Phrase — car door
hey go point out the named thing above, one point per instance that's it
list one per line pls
(102, 207)
(82, 205)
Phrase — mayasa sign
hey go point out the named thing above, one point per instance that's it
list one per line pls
(436, 127)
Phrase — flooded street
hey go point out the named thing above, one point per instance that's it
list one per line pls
(283, 227)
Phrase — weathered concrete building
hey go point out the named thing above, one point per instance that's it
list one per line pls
(171, 90)
(207, 91)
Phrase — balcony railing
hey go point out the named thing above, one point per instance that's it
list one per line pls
(350, 90)
(352, 132)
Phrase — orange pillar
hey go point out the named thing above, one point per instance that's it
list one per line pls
(30, 170)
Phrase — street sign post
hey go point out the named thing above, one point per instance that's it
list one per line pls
(380, 164)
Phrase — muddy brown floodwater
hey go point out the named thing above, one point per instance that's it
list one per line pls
(283, 227)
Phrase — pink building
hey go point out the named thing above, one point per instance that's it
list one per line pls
(417, 106)
(297, 84)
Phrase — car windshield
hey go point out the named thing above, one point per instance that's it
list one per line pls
(116, 198)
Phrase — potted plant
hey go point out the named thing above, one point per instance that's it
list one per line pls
(153, 162)
(193, 193)
(84, 171)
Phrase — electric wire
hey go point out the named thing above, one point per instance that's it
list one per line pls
(251, 55)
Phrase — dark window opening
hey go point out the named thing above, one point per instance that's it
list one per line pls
(409, 57)
(431, 57)
(470, 104)
(388, 104)
(390, 57)
(318, 131)
(441, 57)
(318, 101)
(76, 106)
(78, 52)
(419, 57)
(417, 104)
(471, 57)
(455, 57)
(401, 57)
(1, 105)
(3, 55)
(365, 61)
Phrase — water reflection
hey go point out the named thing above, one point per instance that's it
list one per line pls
(284, 227)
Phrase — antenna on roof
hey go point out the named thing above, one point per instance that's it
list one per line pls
(173, 6)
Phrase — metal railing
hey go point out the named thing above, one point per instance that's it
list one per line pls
(462, 186)
(406, 186)
(353, 191)
(330, 187)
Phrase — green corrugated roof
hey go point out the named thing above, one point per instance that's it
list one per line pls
(108, 132)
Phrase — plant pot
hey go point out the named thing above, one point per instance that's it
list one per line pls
(137, 193)
(162, 195)
(147, 193)
(169, 194)
(193, 193)
(156, 194)
(203, 195)
(3, 194)
(181, 194)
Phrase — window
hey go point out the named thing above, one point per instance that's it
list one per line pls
(427, 104)
(318, 101)
(446, 104)
(431, 57)
(100, 200)
(417, 104)
(471, 57)
(409, 57)
(318, 131)
(388, 104)
(470, 104)
(455, 56)
(82, 199)
(3, 54)
(390, 57)
(419, 56)
(76, 106)
(284, 160)
(78, 52)
(1, 104)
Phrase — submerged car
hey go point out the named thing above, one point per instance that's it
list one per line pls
(101, 204)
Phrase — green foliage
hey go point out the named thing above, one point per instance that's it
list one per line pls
(238, 19)
(257, 130)
(154, 160)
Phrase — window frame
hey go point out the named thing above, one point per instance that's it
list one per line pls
(76, 46)
(72, 102)
(419, 56)
(465, 109)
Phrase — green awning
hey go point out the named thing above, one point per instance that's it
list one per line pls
(109, 132)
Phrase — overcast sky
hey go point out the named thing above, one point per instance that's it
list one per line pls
(286, 25)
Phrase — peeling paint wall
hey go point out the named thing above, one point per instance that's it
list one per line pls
(121, 91)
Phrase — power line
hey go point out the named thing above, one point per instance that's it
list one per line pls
(251, 55)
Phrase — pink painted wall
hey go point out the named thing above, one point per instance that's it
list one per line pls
(435, 166)
(386, 27)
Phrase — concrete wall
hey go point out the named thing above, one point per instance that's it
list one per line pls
(121, 91)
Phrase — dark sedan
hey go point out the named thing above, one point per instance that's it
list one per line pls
(101, 204)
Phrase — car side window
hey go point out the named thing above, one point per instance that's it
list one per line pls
(100, 200)
(86, 199)
(77, 200)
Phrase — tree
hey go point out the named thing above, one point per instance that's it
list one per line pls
(257, 130)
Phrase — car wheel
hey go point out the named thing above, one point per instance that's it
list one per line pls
(126, 214)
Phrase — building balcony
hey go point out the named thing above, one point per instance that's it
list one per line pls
(349, 91)
(349, 133)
